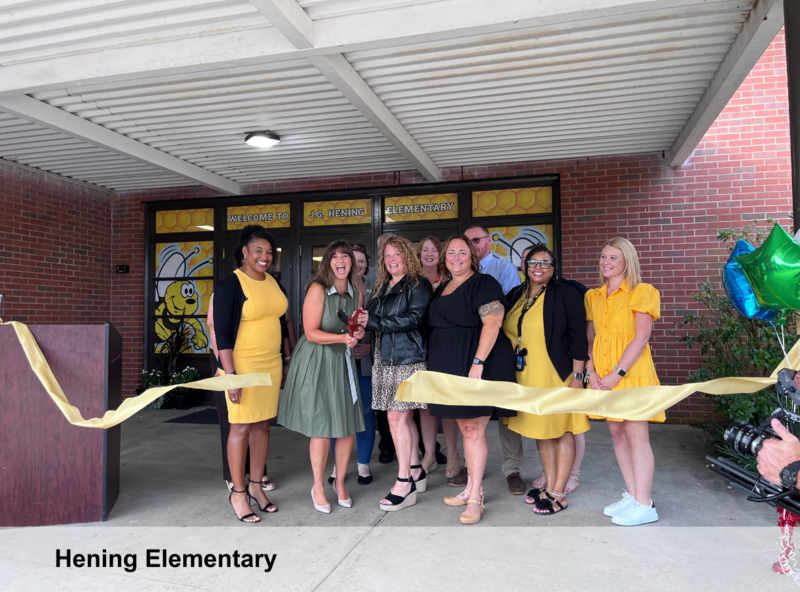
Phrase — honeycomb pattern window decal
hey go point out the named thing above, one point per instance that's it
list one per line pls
(174, 221)
(512, 202)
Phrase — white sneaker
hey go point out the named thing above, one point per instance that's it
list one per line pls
(636, 514)
(620, 506)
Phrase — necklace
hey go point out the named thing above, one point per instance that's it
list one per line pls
(447, 290)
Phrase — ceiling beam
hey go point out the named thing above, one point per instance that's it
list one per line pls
(56, 119)
(436, 21)
(344, 77)
(451, 19)
(130, 63)
(764, 22)
(291, 20)
(288, 17)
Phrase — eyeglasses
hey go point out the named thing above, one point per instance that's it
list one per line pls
(543, 263)
(477, 240)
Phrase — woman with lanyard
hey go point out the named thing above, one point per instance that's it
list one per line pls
(546, 322)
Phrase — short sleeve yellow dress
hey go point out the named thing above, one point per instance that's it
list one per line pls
(258, 348)
(539, 373)
(614, 318)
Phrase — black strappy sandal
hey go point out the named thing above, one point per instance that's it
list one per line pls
(397, 502)
(422, 481)
(269, 504)
(547, 505)
(251, 514)
(533, 493)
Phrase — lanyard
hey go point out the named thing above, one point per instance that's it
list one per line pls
(526, 306)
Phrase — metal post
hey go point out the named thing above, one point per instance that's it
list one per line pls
(791, 19)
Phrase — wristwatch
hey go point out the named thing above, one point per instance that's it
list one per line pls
(477, 362)
(579, 375)
(789, 475)
(620, 371)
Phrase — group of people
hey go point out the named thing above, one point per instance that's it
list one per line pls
(454, 308)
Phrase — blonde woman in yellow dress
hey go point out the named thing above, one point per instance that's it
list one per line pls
(546, 322)
(620, 315)
(248, 304)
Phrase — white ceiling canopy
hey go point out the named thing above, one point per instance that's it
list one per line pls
(166, 90)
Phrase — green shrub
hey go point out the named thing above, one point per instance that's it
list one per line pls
(732, 345)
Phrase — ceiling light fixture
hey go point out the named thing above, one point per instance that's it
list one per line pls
(262, 139)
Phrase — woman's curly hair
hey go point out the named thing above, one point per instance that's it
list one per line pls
(413, 266)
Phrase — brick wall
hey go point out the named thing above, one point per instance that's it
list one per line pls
(55, 248)
(740, 172)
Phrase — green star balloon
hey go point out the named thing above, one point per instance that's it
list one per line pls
(773, 270)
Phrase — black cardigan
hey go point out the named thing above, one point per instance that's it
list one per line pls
(564, 323)
(229, 299)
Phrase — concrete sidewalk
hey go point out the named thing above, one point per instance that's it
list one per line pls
(708, 538)
(171, 476)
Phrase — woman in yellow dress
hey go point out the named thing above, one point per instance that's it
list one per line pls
(248, 304)
(620, 315)
(547, 322)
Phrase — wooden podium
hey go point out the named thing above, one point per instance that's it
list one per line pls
(52, 472)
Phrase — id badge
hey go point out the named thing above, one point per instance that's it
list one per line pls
(521, 354)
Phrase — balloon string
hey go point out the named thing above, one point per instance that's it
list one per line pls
(782, 343)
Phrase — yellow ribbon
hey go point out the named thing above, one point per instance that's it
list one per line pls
(130, 405)
(636, 404)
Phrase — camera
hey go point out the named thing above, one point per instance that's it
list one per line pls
(744, 439)
(747, 440)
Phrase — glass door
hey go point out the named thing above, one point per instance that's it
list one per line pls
(313, 248)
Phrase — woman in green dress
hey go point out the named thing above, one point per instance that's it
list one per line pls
(321, 398)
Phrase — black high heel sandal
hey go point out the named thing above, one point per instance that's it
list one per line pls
(397, 502)
(269, 504)
(422, 480)
(251, 514)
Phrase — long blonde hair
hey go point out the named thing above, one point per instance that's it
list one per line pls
(633, 271)
(413, 266)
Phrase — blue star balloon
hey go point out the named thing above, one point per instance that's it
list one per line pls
(739, 289)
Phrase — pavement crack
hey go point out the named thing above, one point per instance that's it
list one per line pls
(346, 555)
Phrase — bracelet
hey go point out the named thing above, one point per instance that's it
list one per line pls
(287, 358)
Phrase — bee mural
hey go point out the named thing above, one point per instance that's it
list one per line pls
(527, 236)
(178, 299)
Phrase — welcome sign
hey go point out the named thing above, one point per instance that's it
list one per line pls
(268, 216)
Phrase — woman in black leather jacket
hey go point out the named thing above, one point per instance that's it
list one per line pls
(396, 315)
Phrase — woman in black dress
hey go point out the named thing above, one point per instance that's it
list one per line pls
(465, 318)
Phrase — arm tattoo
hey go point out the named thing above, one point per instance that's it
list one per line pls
(491, 309)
